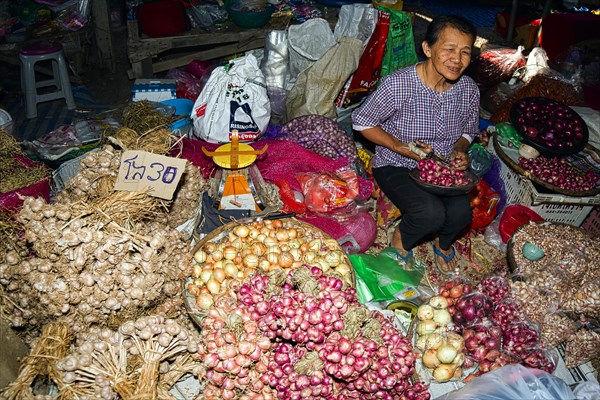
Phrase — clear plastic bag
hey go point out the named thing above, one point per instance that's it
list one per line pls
(472, 308)
(541, 358)
(442, 350)
(521, 337)
(495, 65)
(325, 192)
(582, 345)
(483, 341)
(512, 382)
(556, 328)
(506, 312)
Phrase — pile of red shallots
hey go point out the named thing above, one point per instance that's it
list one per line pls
(300, 334)
(435, 173)
(558, 172)
(494, 328)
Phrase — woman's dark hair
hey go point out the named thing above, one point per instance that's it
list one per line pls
(439, 23)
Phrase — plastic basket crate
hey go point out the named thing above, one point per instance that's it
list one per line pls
(592, 222)
(555, 208)
(64, 172)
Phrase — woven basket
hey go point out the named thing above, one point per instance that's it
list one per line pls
(518, 169)
(223, 231)
(510, 250)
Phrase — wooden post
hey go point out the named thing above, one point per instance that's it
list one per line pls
(103, 35)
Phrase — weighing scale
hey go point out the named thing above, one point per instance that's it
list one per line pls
(239, 180)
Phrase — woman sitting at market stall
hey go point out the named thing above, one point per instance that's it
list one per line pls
(426, 107)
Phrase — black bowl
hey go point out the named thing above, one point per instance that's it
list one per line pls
(544, 123)
(446, 190)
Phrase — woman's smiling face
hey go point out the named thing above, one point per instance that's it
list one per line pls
(450, 55)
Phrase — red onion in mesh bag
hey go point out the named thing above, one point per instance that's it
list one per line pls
(321, 135)
(362, 232)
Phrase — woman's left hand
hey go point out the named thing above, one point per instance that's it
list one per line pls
(460, 160)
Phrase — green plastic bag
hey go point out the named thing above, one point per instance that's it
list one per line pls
(380, 277)
(480, 160)
(400, 46)
(508, 135)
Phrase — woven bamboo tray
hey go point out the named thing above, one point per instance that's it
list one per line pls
(222, 232)
(518, 169)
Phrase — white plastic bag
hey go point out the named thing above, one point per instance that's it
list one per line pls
(356, 20)
(511, 382)
(234, 98)
(307, 43)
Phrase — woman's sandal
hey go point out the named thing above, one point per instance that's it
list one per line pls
(446, 258)
(399, 257)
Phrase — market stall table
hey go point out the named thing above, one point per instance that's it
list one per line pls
(149, 56)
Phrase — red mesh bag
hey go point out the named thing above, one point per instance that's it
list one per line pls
(13, 200)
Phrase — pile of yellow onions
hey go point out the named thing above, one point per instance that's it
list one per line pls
(262, 246)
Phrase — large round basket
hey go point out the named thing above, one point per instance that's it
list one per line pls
(516, 112)
(514, 165)
(510, 247)
(223, 233)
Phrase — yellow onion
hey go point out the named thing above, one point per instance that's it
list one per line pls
(229, 252)
(282, 235)
(204, 301)
(230, 269)
(241, 231)
(219, 274)
(250, 261)
(430, 359)
(273, 258)
(444, 372)
(200, 256)
(285, 259)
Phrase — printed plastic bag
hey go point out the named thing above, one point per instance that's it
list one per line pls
(308, 42)
(234, 98)
(400, 46)
(318, 86)
(365, 78)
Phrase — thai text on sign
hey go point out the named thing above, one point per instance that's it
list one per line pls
(142, 171)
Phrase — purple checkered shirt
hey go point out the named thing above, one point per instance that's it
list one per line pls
(408, 110)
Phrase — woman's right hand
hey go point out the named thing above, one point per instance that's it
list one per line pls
(419, 149)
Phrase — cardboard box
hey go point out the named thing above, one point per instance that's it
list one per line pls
(154, 90)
